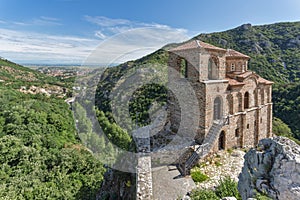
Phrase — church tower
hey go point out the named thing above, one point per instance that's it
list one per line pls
(226, 91)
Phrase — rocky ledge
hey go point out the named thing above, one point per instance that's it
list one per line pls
(272, 168)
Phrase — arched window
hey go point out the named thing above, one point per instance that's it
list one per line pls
(183, 68)
(222, 140)
(240, 67)
(232, 67)
(217, 108)
(255, 97)
(240, 100)
(237, 132)
(213, 72)
(262, 96)
(230, 104)
(244, 68)
(268, 95)
(210, 63)
(246, 100)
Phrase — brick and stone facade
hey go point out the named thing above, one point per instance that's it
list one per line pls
(224, 88)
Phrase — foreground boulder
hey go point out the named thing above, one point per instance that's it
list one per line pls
(273, 168)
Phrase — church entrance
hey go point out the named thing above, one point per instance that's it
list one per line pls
(222, 140)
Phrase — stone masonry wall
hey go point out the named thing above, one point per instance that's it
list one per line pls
(246, 125)
(144, 178)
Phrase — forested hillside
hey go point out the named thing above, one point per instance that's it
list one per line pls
(15, 76)
(274, 49)
(41, 155)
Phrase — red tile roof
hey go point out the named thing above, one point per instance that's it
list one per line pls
(245, 74)
(194, 44)
(235, 54)
(233, 82)
(264, 81)
(236, 80)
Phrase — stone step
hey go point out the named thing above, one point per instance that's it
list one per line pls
(202, 151)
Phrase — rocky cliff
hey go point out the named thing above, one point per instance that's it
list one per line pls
(272, 168)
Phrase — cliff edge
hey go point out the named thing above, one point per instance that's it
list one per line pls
(272, 168)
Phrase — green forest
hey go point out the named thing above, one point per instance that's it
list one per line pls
(41, 155)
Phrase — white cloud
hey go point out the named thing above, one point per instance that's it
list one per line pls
(106, 22)
(130, 39)
(28, 47)
(40, 21)
(134, 44)
(44, 22)
(21, 23)
(100, 35)
(118, 40)
(49, 18)
(115, 26)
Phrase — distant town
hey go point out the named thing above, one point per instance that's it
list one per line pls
(63, 72)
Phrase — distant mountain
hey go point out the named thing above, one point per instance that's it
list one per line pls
(275, 54)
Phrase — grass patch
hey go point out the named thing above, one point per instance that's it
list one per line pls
(198, 176)
(201, 165)
(230, 151)
(260, 196)
(204, 195)
(228, 188)
(218, 163)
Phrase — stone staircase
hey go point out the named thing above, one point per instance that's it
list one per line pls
(204, 148)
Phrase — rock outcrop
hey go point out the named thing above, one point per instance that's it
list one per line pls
(272, 168)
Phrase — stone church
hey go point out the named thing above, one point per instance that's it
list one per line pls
(226, 91)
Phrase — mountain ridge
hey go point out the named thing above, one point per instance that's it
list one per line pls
(271, 47)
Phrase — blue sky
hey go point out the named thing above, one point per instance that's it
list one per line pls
(67, 31)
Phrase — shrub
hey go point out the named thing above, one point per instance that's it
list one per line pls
(197, 176)
(218, 163)
(204, 195)
(260, 196)
(228, 188)
(280, 128)
(230, 151)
